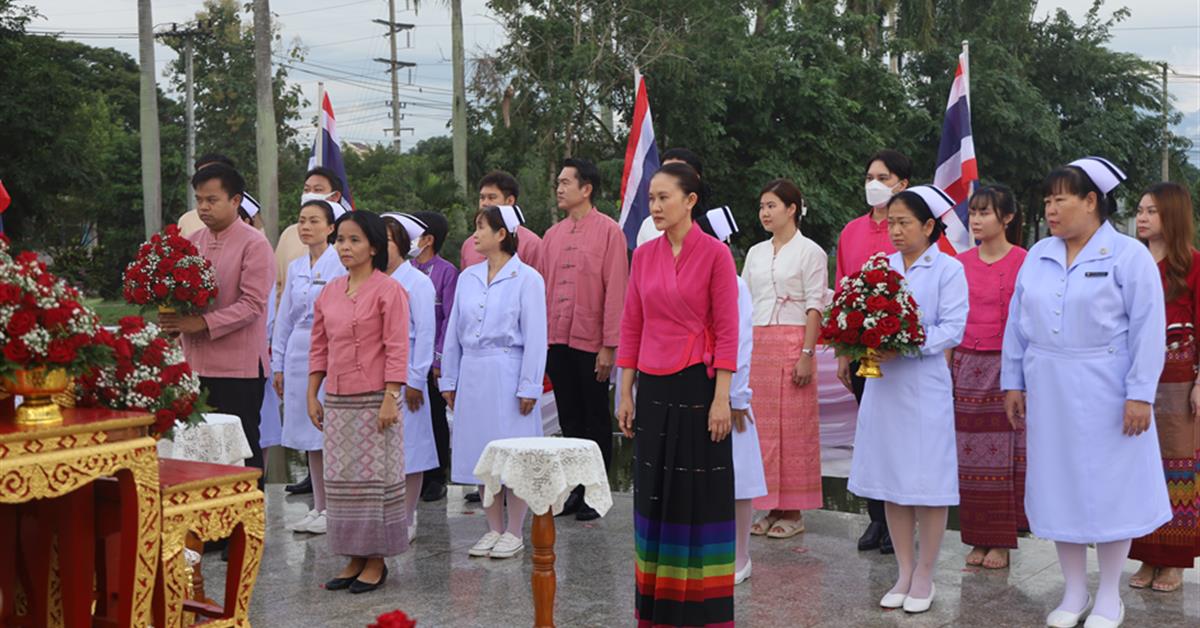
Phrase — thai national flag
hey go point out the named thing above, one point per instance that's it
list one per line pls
(330, 154)
(641, 161)
(957, 172)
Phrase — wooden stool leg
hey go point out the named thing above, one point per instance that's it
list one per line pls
(75, 526)
(544, 582)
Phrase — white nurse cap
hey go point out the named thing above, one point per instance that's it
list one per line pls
(415, 227)
(337, 208)
(938, 201)
(722, 223)
(249, 205)
(1101, 171)
(512, 216)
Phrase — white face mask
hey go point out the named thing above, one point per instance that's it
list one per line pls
(878, 193)
(314, 196)
(414, 250)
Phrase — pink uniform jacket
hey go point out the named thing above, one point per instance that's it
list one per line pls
(360, 342)
(860, 239)
(585, 267)
(681, 311)
(235, 343)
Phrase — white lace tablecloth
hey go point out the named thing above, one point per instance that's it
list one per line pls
(542, 471)
(219, 440)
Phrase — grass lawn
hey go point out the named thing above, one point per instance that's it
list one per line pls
(111, 311)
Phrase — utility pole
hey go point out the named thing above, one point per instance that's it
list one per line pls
(893, 33)
(458, 123)
(1166, 134)
(265, 139)
(148, 124)
(395, 65)
(188, 34)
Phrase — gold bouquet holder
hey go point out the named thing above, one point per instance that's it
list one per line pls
(42, 389)
(868, 366)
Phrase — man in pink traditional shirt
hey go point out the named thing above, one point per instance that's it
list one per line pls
(586, 267)
(500, 188)
(226, 344)
(887, 174)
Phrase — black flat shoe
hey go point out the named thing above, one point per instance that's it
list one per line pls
(358, 586)
(885, 543)
(872, 537)
(337, 584)
(473, 497)
(303, 487)
(586, 513)
(573, 504)
(433, 491)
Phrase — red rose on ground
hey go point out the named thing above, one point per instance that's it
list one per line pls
(855, 319)
(21, 323)
(394, 619)
(872, 338)
(875, 276)
(889, 325)
(149, 388)
(16, 351)
(877, 303)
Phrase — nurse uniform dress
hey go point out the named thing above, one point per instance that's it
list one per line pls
(904, 447)
(291, 340)
(749, 480)
(494, 353)
(1080, 341)
(420, 450)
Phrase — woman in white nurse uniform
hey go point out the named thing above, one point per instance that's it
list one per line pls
(493, 361)
(1083, 351)
(420, 448)
(290, 340)
(905, 451)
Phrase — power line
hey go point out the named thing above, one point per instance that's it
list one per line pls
(336, 6)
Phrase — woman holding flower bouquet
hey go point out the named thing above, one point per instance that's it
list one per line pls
(904, 446)
(991, 455)
(360, 340)
(788, 279)
(292, 339)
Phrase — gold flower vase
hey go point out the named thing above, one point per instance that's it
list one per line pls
(39, 387)
(868, 366)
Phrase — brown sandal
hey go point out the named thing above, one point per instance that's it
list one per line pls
(762, 526)
(1138, 581)
(787, 528)
(1169, 587)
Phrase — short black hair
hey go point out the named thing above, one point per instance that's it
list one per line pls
(688, 180)
(1073, 180)
(921, 211)
(208, 159)
(896, 162)
(491, 215)
(686, 156)
(372, 226)
(326, 209)
(335, 182)
(585, 172)
(399, 235)
(436, 226)
(501, 180)
(231, 180)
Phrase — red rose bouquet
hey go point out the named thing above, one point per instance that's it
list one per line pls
(394, 619)
(150, 374)
(43, 323)
(170, 273)
(873, 312)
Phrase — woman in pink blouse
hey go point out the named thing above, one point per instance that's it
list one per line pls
(360, 340)
(991, 455)
(679, 338)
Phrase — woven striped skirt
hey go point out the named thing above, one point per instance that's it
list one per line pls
(991, 456)
(683, 505)
(1176, 543)
(364, 478)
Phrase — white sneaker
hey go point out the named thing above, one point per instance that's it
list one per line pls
(302, 525)
(744, 574)
(508, 546)
(485, 544)
(318, 525)
(412, 528)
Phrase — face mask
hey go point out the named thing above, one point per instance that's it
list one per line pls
(415, 250)
(878, 193)
(314, 196)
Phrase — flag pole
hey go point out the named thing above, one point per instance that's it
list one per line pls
(967, 68)
(320, 141)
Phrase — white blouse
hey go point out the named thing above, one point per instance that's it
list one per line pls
(786, 285)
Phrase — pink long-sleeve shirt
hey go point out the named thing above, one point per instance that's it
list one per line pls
(991, 288)
(529, 248)
(585, 267)
(860, 239)
(360, 342)
(680, 311)
(235, 343)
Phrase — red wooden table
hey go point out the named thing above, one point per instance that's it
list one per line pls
(46, 476)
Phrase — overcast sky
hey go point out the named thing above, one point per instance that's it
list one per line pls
(343, 42)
